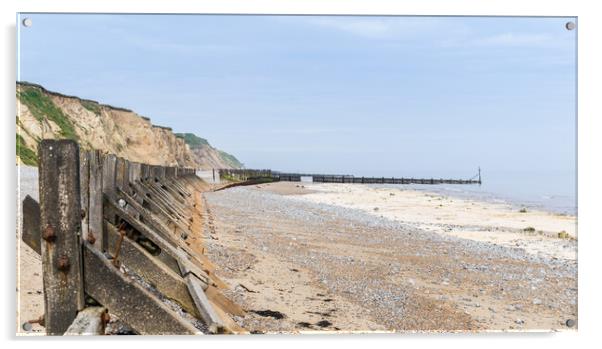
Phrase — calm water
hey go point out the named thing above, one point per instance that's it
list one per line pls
(552, 192)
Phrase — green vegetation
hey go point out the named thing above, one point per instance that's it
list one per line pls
(91, 106)
(529, 230)
(563, 235)
(42, 107)
(28, 156)
(193, 140)
(523, 210)
(197, 142)
(230, 159)
(228, 177)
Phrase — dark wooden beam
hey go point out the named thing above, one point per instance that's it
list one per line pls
(60, 224)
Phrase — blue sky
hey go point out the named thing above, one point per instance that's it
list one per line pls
(393, 96)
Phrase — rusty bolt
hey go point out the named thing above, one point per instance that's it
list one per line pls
(63, 263)
(91, 238)
(105, 318)
(48, 234)
(39, 321)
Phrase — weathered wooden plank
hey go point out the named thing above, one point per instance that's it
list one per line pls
(156, 273)
(108, 173)
(112, 216)
(146, 216)
(122, 176)
(89, 322)
(230, 325)
(95, 232)
(169, 197)
(206, 310)
(135, 171)
(154, 207)
(224, 303)
(84, 185)
(165, 246)
(60, 224)
(125, 298)
(31, 224)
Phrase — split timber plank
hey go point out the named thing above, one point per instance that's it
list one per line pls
(128, 300)
(31, 224)
(60, 222)
(156, 273)
(88, 322)
(208, 314)
(95, 200)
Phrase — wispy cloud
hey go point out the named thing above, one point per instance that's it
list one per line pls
(388, 27)
(441, 32)
(517, 39)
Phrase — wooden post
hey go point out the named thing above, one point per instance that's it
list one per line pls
(108, 174)
(84, 184)
(95, 232)
(60, 224)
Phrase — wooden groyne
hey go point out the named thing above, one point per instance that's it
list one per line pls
(275, 176)
(115, 238)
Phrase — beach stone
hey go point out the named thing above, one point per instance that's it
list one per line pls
(537, 301)
(570, 323)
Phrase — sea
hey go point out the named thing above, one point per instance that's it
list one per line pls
(546, 191)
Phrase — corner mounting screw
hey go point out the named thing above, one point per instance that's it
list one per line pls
(570, 25)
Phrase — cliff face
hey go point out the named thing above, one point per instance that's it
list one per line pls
(207, 156)
(44, 114)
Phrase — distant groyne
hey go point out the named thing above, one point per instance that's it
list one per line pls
(276, 176)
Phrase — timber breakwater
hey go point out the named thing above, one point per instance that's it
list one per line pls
(121, 240)
(253, 175)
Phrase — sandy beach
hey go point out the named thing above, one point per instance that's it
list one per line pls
(302, 258)
(535, 232)
(307, 257)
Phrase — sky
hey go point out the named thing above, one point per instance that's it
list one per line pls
(382, 96)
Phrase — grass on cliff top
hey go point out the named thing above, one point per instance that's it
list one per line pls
(41, 106)
(28, 156)
(230, 159)
(91, 106)
(192, 140)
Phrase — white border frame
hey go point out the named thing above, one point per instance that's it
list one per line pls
(589, 131)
